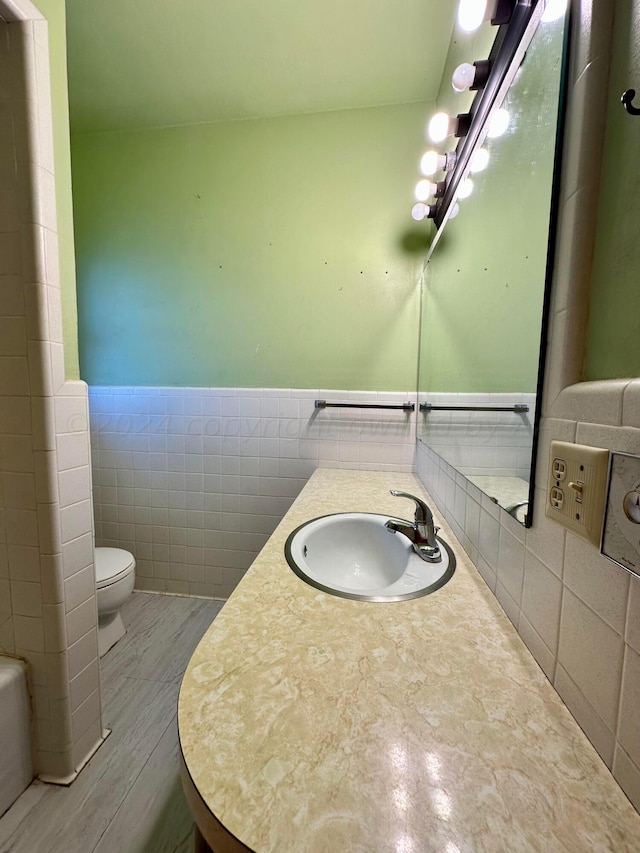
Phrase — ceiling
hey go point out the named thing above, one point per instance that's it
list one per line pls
(149, 63)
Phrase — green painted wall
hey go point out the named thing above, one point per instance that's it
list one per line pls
(484, 285)
(613, 349)
(54, 11)
(138, 64)
(275, 252)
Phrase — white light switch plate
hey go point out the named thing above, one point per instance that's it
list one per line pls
(576, 488)
(621, 536)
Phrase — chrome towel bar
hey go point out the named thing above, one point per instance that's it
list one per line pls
(519, 408)
(404, 407)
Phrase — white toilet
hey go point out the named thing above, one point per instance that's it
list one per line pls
(115, 576)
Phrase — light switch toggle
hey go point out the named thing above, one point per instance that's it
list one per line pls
(578, 488)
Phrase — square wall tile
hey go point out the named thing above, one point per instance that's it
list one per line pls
(55, 633)
(84, 685)
(28, 634)
(511, 564)
(86, 714)
(26, 599)
(24, 563)
(601, 584)
(76, 520)
(545, 658)
(73, 450)
(74, 485)
(591, 653)
(79, 587)
(81, 620)
(629, 721)
(21, 527)
(541, 600)
(19, 490)
(489, 538)
(600, 735)
(627, 775)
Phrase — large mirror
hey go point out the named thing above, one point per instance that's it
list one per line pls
(484, 290)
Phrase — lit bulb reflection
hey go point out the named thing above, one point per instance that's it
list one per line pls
(430, 163)
(401, 799)
(441, 802)
(451, 848)
(433, 766)
(498, 123)
(398, 755)
(555, 9)
(404, 844)
(424, 189)
(455, 210)
(479, 161)
(465, 189)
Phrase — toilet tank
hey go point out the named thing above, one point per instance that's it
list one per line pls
(16, 768)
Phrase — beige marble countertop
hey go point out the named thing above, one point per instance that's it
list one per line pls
(312, 724)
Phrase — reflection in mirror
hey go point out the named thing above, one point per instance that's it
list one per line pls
(483, 295)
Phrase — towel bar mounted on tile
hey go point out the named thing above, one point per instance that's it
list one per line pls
(404, 407)
(627, 102)
(520, 408)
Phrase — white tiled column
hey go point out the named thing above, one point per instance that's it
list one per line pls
(45, 578)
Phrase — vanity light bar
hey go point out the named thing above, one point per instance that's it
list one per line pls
(507, 46)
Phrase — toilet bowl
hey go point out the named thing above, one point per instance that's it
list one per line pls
(115, 576)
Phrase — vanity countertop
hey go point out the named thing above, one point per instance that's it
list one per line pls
(312, 723)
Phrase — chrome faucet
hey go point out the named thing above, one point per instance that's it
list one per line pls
(422, 533)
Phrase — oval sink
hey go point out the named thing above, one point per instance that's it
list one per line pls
(353, 555)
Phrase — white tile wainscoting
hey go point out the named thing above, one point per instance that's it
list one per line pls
(496, 444)
(193, 481)
(578, 613)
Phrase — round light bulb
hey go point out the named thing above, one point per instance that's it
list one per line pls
(555, 9)
(479, 160)
(463, 77)
(425, 189)
(465, 189)
(471, 13)
(439, 127)
(420, 211)
(455, 210)
(498, 123)
(431, 162)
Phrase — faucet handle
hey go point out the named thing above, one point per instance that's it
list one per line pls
(423, 513)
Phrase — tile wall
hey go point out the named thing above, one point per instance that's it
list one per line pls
(193, 481)
(47, 591)
(496, 444)
(578, 612)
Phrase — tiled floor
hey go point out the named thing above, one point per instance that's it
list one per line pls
(128, 799)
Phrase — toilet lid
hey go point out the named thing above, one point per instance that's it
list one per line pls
(111, 565)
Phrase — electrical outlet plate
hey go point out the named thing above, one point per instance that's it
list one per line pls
(621, 536)
(577, 487)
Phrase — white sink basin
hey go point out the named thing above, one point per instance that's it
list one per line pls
(353, 555)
